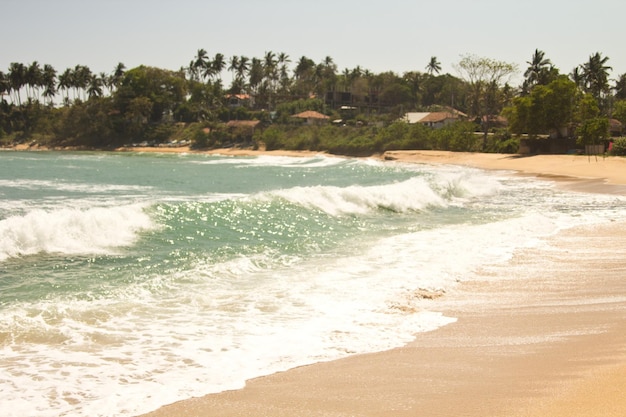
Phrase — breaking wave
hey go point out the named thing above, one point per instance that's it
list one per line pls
(72, 231)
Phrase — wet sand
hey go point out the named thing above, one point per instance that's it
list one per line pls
(551, 340)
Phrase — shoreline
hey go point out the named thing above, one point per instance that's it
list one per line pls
(561, 352)
(577, 172)
(558, 350)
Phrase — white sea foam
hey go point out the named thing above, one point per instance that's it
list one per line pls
(72, 231)
(318, 161)
(156, 343)
(89, 188)
(212, 327)
(414, 194)
(182, 328)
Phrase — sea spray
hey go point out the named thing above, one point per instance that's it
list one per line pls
(72, 231)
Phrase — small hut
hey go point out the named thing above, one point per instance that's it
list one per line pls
(311, 117)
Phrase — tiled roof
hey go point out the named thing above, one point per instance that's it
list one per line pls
(438, 116)
(310, 114)
(432, 117)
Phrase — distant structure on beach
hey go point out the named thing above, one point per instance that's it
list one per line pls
(435, 120)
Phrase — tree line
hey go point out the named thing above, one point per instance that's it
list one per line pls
(79, 107)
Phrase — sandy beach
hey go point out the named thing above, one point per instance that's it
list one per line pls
(559, 350)
(551, 341)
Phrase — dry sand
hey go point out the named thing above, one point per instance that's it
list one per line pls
(550, 343)
(558, 349)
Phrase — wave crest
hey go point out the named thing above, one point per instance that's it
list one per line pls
(414, 194)
(72, 231)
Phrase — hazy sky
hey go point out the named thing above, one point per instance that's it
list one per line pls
(379, 36)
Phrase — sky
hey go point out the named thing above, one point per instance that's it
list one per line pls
(390, 35)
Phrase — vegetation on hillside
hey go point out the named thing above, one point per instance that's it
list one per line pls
(145, 104)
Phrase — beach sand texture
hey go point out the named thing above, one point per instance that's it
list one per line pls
(552, 342)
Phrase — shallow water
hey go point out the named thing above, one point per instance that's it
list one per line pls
(129, 281)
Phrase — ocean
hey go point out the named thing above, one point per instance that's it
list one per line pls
(133, 280)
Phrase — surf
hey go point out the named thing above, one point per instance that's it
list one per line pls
(67, 231)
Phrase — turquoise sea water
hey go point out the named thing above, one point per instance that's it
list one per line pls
(129, 281)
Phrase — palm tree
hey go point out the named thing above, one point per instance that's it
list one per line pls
(117, 76)
(65, 83)
(208, 72)
(270, 72)
(17, 80)
(577, 76)
(596, 75)
(434, 66)
(239, 65)
(218, 64)
(327, 76)
(303, 75)
(303, 68)
(94, 88)
(269, 67)
(283, 59)
(81, 78)
(243, 68)
(414, 80)
(537, 70)
(34, 80)
(49, 82)
(620, 87)
(4, 85)
(255, 74)
(233, 64)
(347, 80)
(191, 70)
(201, 59)
(198, 65)
(283, 73)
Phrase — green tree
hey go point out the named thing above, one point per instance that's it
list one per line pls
(255, 74)
(166, 90)
(198, 64)
(95, 87)
(577, 76)
(233, 64)
(218, 64)
(620, 87)
(592, 128)
(548, 109)
(34, 80)
(117, 76)
(80, 79)
(65, 83)
(304, 77)
(137, 116)
(540, 71)
(434, 66)
(593, 131)
(414, 81)
(17, 80)
(88, 124)
(595, 75)
(619, 111)
(485, 78)
(5, 85)
(49, 82)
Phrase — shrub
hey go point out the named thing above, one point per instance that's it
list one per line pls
(274, 138)
(619, 147)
